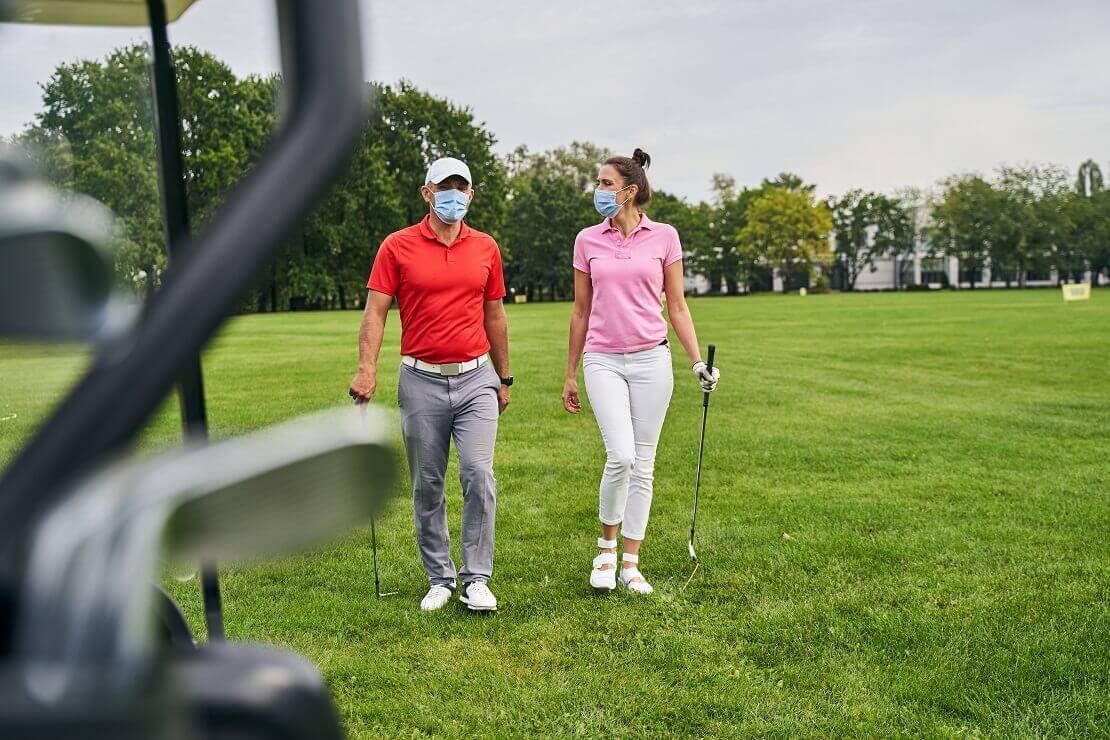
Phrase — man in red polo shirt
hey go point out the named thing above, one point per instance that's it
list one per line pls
(454, 376)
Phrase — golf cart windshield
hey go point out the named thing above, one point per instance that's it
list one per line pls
(84, 119)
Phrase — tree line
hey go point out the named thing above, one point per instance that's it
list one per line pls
(95, 135)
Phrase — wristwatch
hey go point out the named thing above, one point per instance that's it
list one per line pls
(507, 382)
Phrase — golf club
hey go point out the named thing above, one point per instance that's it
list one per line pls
(701, 450)
(374, 532)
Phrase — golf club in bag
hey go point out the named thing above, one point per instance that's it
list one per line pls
(701, 450)
(363, 408)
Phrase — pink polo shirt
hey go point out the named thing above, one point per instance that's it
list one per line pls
(627, 277)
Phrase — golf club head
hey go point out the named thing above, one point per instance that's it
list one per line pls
(690, 547)
(87, 601)
(56, 262)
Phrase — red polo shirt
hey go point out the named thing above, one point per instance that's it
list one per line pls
(441, 291)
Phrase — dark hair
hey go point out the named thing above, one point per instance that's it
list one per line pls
(632, 170)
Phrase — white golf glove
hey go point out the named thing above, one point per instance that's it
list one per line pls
(706, 378)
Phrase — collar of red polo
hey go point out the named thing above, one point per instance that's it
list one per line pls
(426, 230)
(645, 223)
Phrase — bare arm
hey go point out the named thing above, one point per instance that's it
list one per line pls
(497, 332)
(369, 345)
(679, 312)
(579, 324)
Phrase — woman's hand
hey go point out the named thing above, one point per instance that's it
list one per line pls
(571, 402)
(708, 380)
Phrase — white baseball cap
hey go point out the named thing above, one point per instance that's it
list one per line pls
(445, 167)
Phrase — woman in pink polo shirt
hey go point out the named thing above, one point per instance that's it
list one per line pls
(621, 267)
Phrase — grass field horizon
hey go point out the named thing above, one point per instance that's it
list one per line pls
(903, 529)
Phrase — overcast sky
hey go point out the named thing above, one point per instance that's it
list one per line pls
(876, 94)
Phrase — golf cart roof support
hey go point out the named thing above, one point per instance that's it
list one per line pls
(175, 206)
(105, 411)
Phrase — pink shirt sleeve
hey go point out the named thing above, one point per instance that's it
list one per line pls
(581, 262)
(674, 249)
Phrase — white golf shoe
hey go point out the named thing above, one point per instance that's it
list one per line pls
(631, 576)
(436, 598)
(604, 579)
(478, 597)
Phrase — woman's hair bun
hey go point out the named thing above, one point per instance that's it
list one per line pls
(641, 158)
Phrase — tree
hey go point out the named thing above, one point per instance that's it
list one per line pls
(1089, 180)
(867, 226)
(788, 181)
(694, 223)
(1091, 218)
(975, 222)
(95, 136)
(719, 255)
(788, 230)
(549, 205)
(1038, 195)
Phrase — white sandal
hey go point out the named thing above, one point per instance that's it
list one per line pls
(605, 580)
(631, 576)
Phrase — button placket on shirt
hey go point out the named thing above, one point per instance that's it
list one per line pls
(624, 251)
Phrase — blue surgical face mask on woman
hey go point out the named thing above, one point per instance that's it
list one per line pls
(451, 205)
(605, 201)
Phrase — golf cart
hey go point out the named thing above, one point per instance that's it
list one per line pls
(89, 645)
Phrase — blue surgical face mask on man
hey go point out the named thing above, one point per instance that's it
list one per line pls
(605, 201)
(451, 205)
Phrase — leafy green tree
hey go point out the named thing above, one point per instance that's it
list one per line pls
(549, 203)
(788, 181)
(94, 135)
(788, 230)
(694, 222)
(1038, 204)
(867, 226)
(975, 222)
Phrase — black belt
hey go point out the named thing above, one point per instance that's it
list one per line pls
(662, 344)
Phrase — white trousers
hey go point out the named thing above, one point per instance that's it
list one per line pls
(629, 394)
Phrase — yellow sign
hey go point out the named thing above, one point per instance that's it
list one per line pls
(1076, 292)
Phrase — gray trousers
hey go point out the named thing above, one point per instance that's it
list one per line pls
(435, 409)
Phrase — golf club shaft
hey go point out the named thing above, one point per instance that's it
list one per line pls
(701, 447)
(363, 408)
(374, 549)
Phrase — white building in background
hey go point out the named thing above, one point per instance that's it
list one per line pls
(919, 270)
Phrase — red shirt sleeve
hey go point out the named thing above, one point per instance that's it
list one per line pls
(495, 286)
(385, 277)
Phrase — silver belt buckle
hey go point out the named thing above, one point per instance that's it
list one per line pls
(451, 368)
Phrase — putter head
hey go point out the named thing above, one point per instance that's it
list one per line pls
(56, 262)
(87, 602)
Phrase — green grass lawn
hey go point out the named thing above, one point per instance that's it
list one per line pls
(904, 530)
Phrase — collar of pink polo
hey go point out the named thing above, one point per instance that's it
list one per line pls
(645, 223)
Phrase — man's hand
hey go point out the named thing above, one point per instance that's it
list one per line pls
(571, 402)
(363, 386)
(503, 399)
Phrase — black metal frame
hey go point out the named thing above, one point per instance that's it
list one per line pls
(175, 207)
(325, 113)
